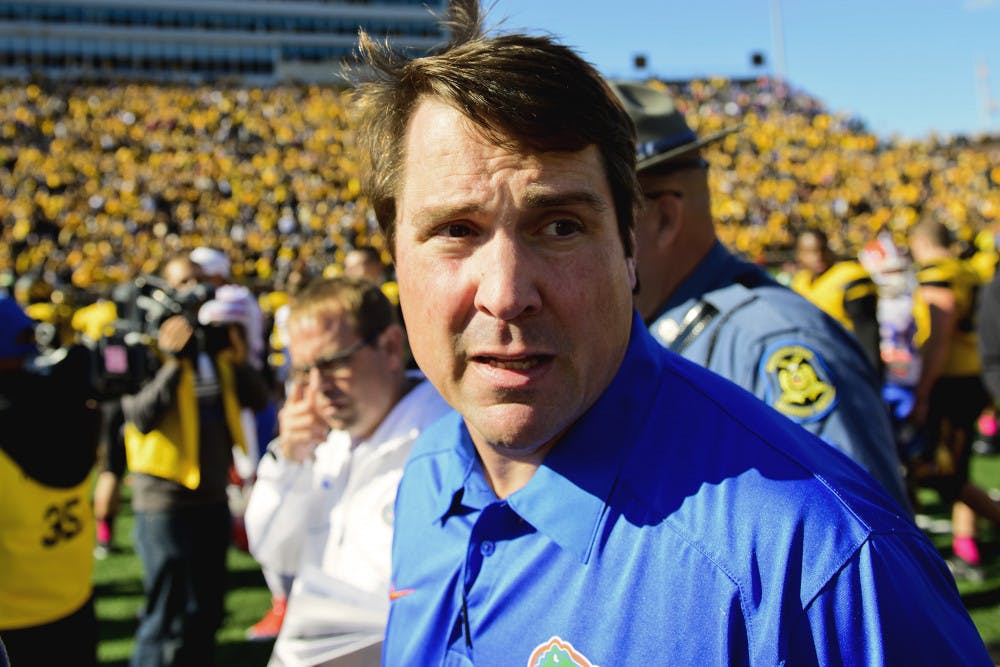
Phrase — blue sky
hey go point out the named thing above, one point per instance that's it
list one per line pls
(906, 67)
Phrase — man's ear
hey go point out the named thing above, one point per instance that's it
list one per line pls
(630, 264)
(392, 342)
(669, 219)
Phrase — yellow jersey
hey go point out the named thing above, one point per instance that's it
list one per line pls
(963, 281)
(46, 548)
(832, 290)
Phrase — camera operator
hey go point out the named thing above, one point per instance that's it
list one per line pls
(49, 427)
(179, 431)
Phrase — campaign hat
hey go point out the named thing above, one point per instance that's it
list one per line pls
(662, 133)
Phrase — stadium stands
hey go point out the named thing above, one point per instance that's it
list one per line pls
(99, 182)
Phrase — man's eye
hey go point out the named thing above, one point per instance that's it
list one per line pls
(563, 227)
(456, 230)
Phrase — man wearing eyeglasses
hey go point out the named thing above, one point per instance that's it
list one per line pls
(321, 510)
(726, 314)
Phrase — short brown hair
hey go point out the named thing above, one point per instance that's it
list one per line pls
(932, 229)
(523, 92)
(363, 304)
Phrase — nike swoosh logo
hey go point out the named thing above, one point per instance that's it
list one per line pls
(395, 595)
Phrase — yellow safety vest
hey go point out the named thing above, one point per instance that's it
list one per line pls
(171, 450)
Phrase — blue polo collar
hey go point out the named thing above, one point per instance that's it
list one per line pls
(568, 496)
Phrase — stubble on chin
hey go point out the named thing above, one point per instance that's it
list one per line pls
(513, 436)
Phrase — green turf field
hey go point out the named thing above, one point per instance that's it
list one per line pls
(981, 599)
(119, 592)
(118, 595)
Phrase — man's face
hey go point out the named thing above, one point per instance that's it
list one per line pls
(811, 254)
(920, 249)
(356, 393)
(361, 265)
(181, 275)
(513, 279)
(652, 260)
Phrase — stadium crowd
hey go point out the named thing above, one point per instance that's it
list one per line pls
(104, 184)
(100, 183)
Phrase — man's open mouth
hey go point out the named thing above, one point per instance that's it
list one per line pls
(518, 364)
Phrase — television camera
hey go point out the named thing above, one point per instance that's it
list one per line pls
(126, 357)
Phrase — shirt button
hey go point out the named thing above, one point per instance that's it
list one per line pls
(487, 548)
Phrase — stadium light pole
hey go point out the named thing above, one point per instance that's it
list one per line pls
(987, 105)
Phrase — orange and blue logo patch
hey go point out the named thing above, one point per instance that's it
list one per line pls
(557, 652)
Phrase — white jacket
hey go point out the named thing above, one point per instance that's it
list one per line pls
(328, 522)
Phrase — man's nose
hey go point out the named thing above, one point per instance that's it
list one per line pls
(506, 272)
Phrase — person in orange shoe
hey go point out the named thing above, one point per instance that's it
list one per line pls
(270, 624)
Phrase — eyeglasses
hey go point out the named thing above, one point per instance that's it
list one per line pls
(332, 366)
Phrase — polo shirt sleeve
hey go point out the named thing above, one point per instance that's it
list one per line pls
(893, 603)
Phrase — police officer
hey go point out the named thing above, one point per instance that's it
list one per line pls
(728, 315)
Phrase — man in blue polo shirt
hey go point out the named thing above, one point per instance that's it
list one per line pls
(596, 499)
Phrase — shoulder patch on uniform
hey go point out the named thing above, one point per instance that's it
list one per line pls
(557, 651)
(798, 382)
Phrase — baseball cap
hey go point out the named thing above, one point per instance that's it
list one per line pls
(212, 262)
(235, 304)
(232, 304)
(662, 133)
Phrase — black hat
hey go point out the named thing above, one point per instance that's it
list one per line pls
(661, 131)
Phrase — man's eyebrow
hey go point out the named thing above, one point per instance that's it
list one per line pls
(449, 212)
(537, 199)
(533, 199)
